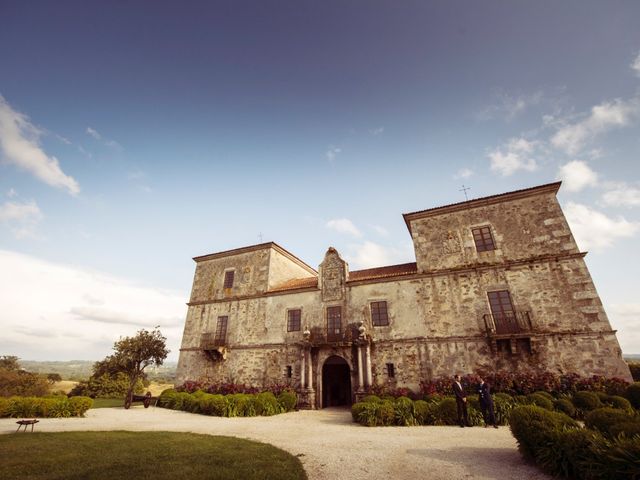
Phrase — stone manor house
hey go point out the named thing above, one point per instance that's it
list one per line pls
(498, 284)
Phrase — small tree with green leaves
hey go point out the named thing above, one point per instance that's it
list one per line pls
(132, 355)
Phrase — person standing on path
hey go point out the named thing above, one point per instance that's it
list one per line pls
(486, 404)
(461, 401)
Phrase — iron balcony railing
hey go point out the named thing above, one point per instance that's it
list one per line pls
(209, 341)
(508, 323)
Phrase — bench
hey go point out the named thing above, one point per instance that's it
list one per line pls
(26, 423)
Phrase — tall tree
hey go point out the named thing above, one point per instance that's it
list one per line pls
(132, 355)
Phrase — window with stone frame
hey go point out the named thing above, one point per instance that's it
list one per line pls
(334, 321)
(293, 320)
(221, 330)
(228, 278)
(391, 370)
(379, 314)
(483, 239)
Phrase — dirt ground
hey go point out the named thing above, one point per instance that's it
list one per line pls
(330, 446)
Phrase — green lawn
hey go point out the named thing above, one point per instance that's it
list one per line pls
(107, 402)
(141, 455)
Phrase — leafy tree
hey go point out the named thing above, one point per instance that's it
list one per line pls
(9, 362)
(132, 355)
(54, 377)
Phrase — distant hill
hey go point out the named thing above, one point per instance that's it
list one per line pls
(81, 369)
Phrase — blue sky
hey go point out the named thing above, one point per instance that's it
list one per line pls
(136, 135)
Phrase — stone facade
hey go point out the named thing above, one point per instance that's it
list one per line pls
(499, 284)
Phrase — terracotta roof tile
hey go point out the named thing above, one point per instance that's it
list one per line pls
(296, 283)
(382, 272)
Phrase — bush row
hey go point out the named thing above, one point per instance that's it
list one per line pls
(442, 410)
(519, 383)
(228, 388)
(233, 405)
(58, 406)
(376, 411)
(609, 448)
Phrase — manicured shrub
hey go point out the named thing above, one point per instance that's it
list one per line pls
(602, 419)
(633, 394)
(23, 407)
(167, 398)
(544, 394)
(534, 426)
(447, 412)
(356, 409)
(266, 404)
(502, 406)
(602, 396)
(617, 459)
(424, 412)
(241, 405)
(372, 398)
(617, 401)
(181, 401)
(628, 429)
(4, 407)
(385, 412)
(366, 413)
(567, 452)
(212, 404)
(540, 400)
(403, 410)
(585, 401)
(564, 406)
(288, 401)
(80, 405)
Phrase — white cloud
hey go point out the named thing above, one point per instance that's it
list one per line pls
(577, 175)
(463, 173)
(516, 155)
(94, 133)
(622, 195)
(508, 107)
(332, 152)
(344, 225)
(82, 311)
(617, 113)
(593, 230)
(19, 140)
(12, 193)
(624, 318)
(635, 65)
(377, 131)
(369, 254)
(380, 230)
(20, 217)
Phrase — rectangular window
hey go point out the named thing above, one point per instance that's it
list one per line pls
(379, 316)
(289, 371)
(483, 239)
(501, 306)
(221, 330)
(334, 321)
(391, 370)
(293, 320)
(228, 279)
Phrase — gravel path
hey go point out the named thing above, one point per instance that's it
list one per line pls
(330, 446)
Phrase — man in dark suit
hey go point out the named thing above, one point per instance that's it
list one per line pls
(461, 401)
(486, 404)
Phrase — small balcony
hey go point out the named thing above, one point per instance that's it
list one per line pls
(508, 323)
(333, 336)
(209, 341)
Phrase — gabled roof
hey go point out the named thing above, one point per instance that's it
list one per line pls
(259, 246)
(481, 202)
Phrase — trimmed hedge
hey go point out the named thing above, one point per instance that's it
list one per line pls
(232, 405)
(611, 421)
(563, 405)
(44, 407)
(585, 401)
(562, 448)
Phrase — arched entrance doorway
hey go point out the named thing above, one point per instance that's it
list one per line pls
(336, 382)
